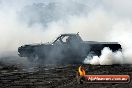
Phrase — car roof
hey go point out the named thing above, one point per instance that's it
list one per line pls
(71, 34)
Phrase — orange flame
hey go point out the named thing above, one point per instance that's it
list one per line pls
(81, 71)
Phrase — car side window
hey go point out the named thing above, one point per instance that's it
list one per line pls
(65, 39)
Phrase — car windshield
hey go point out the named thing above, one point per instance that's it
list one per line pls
(56, 40)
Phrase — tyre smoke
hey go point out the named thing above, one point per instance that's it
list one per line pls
(107, 58)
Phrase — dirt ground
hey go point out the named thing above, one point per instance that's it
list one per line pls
(58, 76)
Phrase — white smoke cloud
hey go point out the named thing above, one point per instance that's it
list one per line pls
(96, 20)
(107, 58)
(14, 32)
